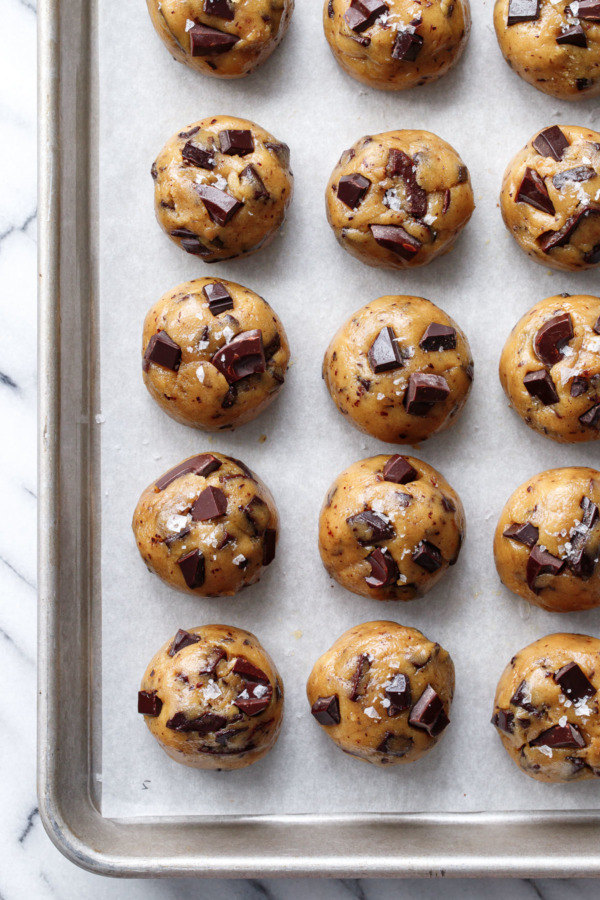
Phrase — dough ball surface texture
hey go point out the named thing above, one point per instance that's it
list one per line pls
(552, 44)
(550, 368)
(400, 199)
(400, 369)
(221, 38)
(550, 198)
(208, 526)
(546, 708)
(547, 541)
(401, 43)
(214, 354)
(213, 698)
(383, 693)
(222, 187)
(389, 528)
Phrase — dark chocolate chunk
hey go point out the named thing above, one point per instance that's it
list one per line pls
(428, 556)
(575, 35)
(149, 704)
(591, 418)
(395, 745)
(211, 504)
(541, 562)
(173, 538)
(407, 46)
(363, 13)
(244, 355)
(236, 143)
(254, 699)
(190, 133)
(560, 736)
(534, 192)
(248, 671)
(586, 9)
(360, 678)
(219, 298)
(396, 239)
(526, 534)
(205, 41)
(269, 546)
(259, 191)
(438, 337)
(192, 569)
(539, 384)
(384, 570)
(523, 11)
(220, 206)
(229, 398)
(579, 386)
(384, 354)
(369, 527)
(582, 84)
(399, 694)
(447, 199)
(326, 710)
(154, 171)
(579, 561)
(352, 189)
(592, 256)
(201, 465)
(400, 165)
(522, 698)
(448, 505)
(398, 470)
(163, 351)
(423, 391)
(552, 337)
(196, 156)
(428, 713)
(590, 512)
(596, 326)
(205, 724)
(551, 142)
(183, 639)
(281, 151)
(578, 174)
(212, 661)
(573, 683)
(221, 8)
(190, 242)
(551, 239)
(257, 516)
(504, 721)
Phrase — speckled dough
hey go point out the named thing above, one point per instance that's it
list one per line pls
(207, 527)
(569, 70)
(563, 399)
(368, 371)
(413, 183)
(389, 528)
(408, 44)
(215, 196)
(562, 229)
(547, 542)
(198, 392)
(365, 692)
(187, 29)
(213, 698)
(546, 708)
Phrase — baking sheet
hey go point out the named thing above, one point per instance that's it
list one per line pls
(486, 283)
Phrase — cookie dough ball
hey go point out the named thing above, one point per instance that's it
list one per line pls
(400, 199)
(213, 698)
(397, 44)
(547, 542)
(550, 198)
(214, 354)
(546, 708)
(383, 693)
(552, 44)
(400, 369)
(207, 527)
(390, 527)
(550, 368)
(222, 187)
(221, 38)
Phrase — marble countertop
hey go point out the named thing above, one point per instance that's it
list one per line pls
(30, 865)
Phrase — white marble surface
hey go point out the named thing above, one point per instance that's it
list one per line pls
(30, 866)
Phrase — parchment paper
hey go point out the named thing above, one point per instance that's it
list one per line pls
(487, 113)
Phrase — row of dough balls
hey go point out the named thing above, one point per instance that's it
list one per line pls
(389, 528)
(392, 45)
(213, 699)
(395, 200)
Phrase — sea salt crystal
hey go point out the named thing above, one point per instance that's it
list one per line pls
(371, 712)
(100, 419)
(392, 201)
(189, 24)
(220, 182)
(547, 751)
(175, 524)
(429, 219)
(200, 374)
(386, 703)
(202, 345)
(381, 396)
(260, 690)
(228, 333)
(212, 691)
(239, 559)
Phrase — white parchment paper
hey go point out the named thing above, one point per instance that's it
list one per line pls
(486, 284)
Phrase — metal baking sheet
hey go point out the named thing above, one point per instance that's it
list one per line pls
(71, 653)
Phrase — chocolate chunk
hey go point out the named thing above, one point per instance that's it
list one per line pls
(399, 694)
(163, 351)
(396, 239)
(593, 256)
(257, 516)
(384, 354)
(220, 206)
(192, 569)
(183, 639)
(236, 143)
(447, 199)
(400, 165)
(219, 298)
(438, 337)
(539, 384)
(211, 504)
(526, 534)
(244, 355)
(360, 679)
(534, 192)
(369, 527)
(149, 704)
(254, 699)
(586, 9)
(395, 745)
(590, 512)
(522, 698)
(552, 337)
(591, 418)
(523, 11)
(541, 562)
(205, 724)
(196, 156)
(398, 470)
(259, 191)
(190, 133)
(229, 398)
(330, 11)
(326, 710)
(407, 46)
(573, 683)
(581, 563)
(281, 151)
(221, 8)
(205, 41)
(190, 242)
(579, 386)
(561, 737)
(173, 538)
(384, 570)
(448, 505)
(582, 84)
(551, 142)
(578, 175)
(423, 391)
(352, 189)
(428, 556)
(596, 326)
(201, 465)
(269, 546)
(504, 721)
(363, 13)
(154, 171)
(551, 239)
(212, 661)
(248, 671)
(428, 713)
(575, 36)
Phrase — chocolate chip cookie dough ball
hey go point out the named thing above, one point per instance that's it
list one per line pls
(550, 368)
(551, 198)
(214, 354)
(207, 527)
(546, 708)
(547, 541)
(397, 44)
(389, 528)
(222, 38)
(552, 44)
(400, 199)
(383, 693)
(400, 369)
(222, 187)
(213, 698)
